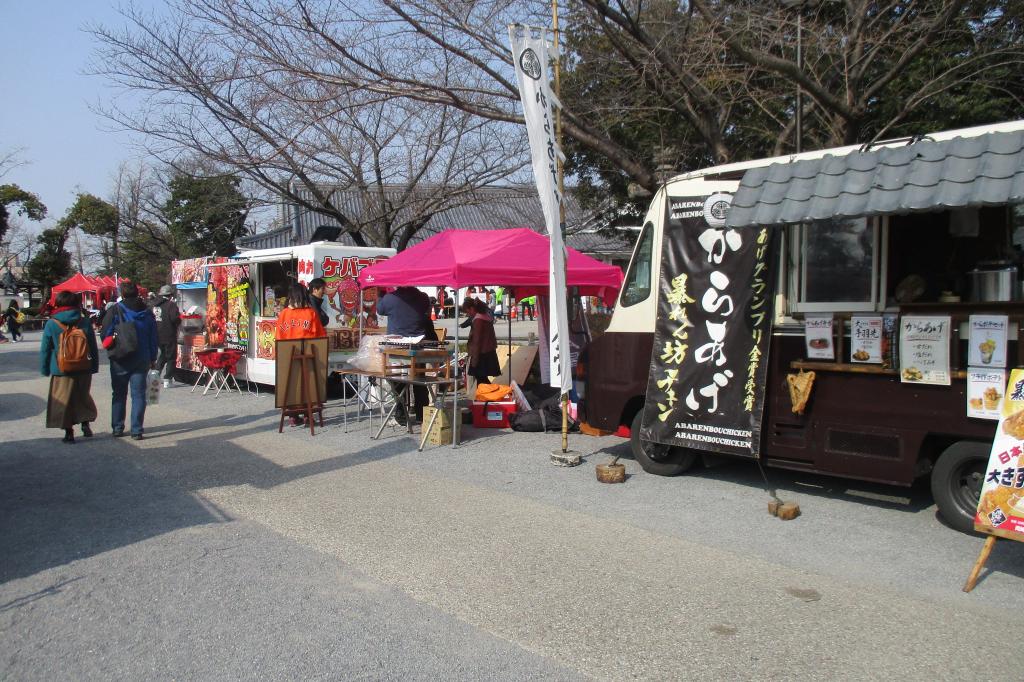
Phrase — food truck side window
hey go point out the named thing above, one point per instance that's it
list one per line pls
(837, 264)
(637, 286)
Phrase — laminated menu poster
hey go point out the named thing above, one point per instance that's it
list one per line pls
(987, 344)
(866, 339)
(924, 349)
(985, 392)
(1001, 505)
(818, 337)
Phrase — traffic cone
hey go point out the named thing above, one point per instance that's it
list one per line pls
(514, 308)
(433, 314)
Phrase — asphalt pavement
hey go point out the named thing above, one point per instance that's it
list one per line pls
(218, 548)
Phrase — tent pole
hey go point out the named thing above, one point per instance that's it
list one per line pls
(455, 400)
(508, 317)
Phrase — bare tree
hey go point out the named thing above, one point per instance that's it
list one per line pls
(236, 83)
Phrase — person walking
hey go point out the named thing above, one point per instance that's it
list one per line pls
(128, 370)
(168, 319)
(69, 401)
(482, 344)
(299, 320)
(13, 325)
(408, 313)
(529, 306)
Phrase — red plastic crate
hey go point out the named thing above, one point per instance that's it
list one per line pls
(492, 415)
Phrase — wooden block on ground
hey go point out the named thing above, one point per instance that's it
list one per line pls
(773, 507)
(788, 511)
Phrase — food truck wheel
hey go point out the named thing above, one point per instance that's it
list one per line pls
(956, 483)
(654, 458)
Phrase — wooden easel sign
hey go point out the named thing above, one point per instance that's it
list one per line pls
(1001, 506)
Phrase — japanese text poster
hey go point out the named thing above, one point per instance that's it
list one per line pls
(1001, 505)
(818, 337)
(987, 345)
(985, 392)
(706, 385)
(866, 338)
(924, 350)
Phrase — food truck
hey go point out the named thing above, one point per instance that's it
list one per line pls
(849, 311)
(233, 303)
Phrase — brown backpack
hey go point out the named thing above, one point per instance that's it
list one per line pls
(73, 350)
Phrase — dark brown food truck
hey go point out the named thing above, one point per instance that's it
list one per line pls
(875, 268)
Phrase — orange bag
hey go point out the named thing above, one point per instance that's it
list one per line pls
(493, 393)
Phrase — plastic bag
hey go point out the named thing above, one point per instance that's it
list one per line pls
(369, 358)
(153, 387)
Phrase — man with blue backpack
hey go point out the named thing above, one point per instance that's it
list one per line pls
(128, 332)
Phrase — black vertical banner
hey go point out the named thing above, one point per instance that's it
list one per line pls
(716, 293)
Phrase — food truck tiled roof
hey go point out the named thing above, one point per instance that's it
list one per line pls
(926, 175)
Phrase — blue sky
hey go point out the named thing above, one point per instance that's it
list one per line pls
(44, 53)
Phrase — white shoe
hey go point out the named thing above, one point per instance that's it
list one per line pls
(167, 383)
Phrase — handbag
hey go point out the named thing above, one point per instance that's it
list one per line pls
(125, 337)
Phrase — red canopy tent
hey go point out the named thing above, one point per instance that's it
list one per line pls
(80, 284)
(515, 258)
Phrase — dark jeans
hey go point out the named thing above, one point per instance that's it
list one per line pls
(121, 379)
(166, 359)
(527, 310)
(14, 328)
(420, 399)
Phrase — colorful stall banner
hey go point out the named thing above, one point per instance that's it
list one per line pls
(985, 392)
(818, 337)
(236, 326)
(707, 379)
(987, 341)
(1001, 505)
(266, 337)
(189, 270)
(924, 350)
(866, 339)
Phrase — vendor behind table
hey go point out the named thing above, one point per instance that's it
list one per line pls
(408, 312)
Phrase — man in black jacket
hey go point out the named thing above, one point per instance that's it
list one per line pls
(316, 294)
(168, 319)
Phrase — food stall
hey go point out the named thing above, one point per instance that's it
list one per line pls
(238, 300)
(848, 311)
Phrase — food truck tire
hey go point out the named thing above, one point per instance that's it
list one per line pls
(956, 483)
(660, 460)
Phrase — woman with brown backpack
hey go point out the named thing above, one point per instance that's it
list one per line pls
(68, 355)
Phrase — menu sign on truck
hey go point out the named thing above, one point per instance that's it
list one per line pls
(706, 385)
(924, 350)
(985, 392)
(866, 338)
(987, 345)
(1001, 505)
(818, 337)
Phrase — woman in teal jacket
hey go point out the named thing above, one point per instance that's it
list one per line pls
(70, 401)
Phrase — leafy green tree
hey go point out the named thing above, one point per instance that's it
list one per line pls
(205, 214)
(52, 262)
(28, 205)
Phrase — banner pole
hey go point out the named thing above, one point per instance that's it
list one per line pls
(561, 187)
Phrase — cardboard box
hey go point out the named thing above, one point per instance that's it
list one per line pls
(492, 415)
(441, 431)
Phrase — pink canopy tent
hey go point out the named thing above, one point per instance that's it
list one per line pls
(516, 258)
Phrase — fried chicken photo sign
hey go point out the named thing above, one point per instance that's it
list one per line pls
(1001, 507)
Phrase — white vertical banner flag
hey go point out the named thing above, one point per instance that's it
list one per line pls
(530, 56)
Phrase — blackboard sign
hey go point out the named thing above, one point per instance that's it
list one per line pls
(706, 385)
